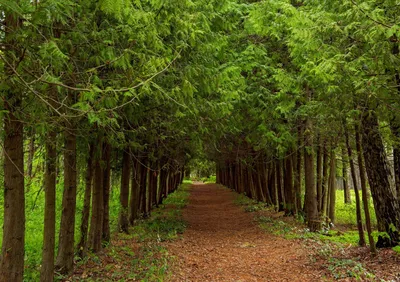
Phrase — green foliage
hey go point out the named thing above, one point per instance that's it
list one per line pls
(346, 268)
(196, 83)
(346, 213)
(210, 179)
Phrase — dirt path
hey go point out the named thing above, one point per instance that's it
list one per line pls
(222, 243)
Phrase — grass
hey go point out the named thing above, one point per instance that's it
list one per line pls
(279, 225)
(210, 179)
(346, 213)
(35, 217)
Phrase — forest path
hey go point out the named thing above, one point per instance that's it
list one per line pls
(223, 243)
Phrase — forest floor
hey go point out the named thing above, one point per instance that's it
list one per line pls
(226, 242)
(230, 238)
(223, 243)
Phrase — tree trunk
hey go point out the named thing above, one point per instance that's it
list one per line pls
(281, 195)
(82, 245)
(288, 180)
(124, 195)
(313, 222)
(96, 222)
(274, 186)
(12, 263)
(65, 256)
(364, 190)
(386, 205)
(346, 188)
(332, 186)
(361, 241)
(12, 260)
(143, 189)
(106, 196)
(134, 199)
(49, 233)
(325, 182)
(298, 178)
(395, 128)
(319, 175)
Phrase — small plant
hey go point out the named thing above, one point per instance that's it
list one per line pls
(396, 249)
(346, 268)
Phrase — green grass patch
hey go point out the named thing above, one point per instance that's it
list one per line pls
(346, 213)
(187, 181)
(163, 225)
(396, 249)
(249, 205)
(210, 179)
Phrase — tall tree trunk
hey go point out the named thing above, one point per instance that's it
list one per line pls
(395, 128)
(364, 190)
(96, 221)
(298, 176)
(332, 186)
(82, 245)
(361, 241)
(106, 196)
(288, 180)
(313, 221)
(143, 189)
(260, 172)
(134, 199)
(124, 195)
(281, 195)
(325, 182)
(386, 205)
(274, 186)
(65, 256)
(49, 230)
(346, 188)
(319, 175)
(12, 260)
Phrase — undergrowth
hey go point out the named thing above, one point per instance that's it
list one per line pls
(139, 255)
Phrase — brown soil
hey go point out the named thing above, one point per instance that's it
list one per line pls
(223, 243)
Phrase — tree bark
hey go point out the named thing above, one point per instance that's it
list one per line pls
(361, 241)
(288, 180)
(134, 199)
(325, 182)
(319, 175)
(82, 245)
(65, 256)
(96, 222)
(106, 196)
(124, 194)
(313, 222)
(346, 188)
(332, 186)
(386, 205)
(298, 176)
(49, 230)
(281, 195)
(12, 260)
(143, 189)
(364, 190)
